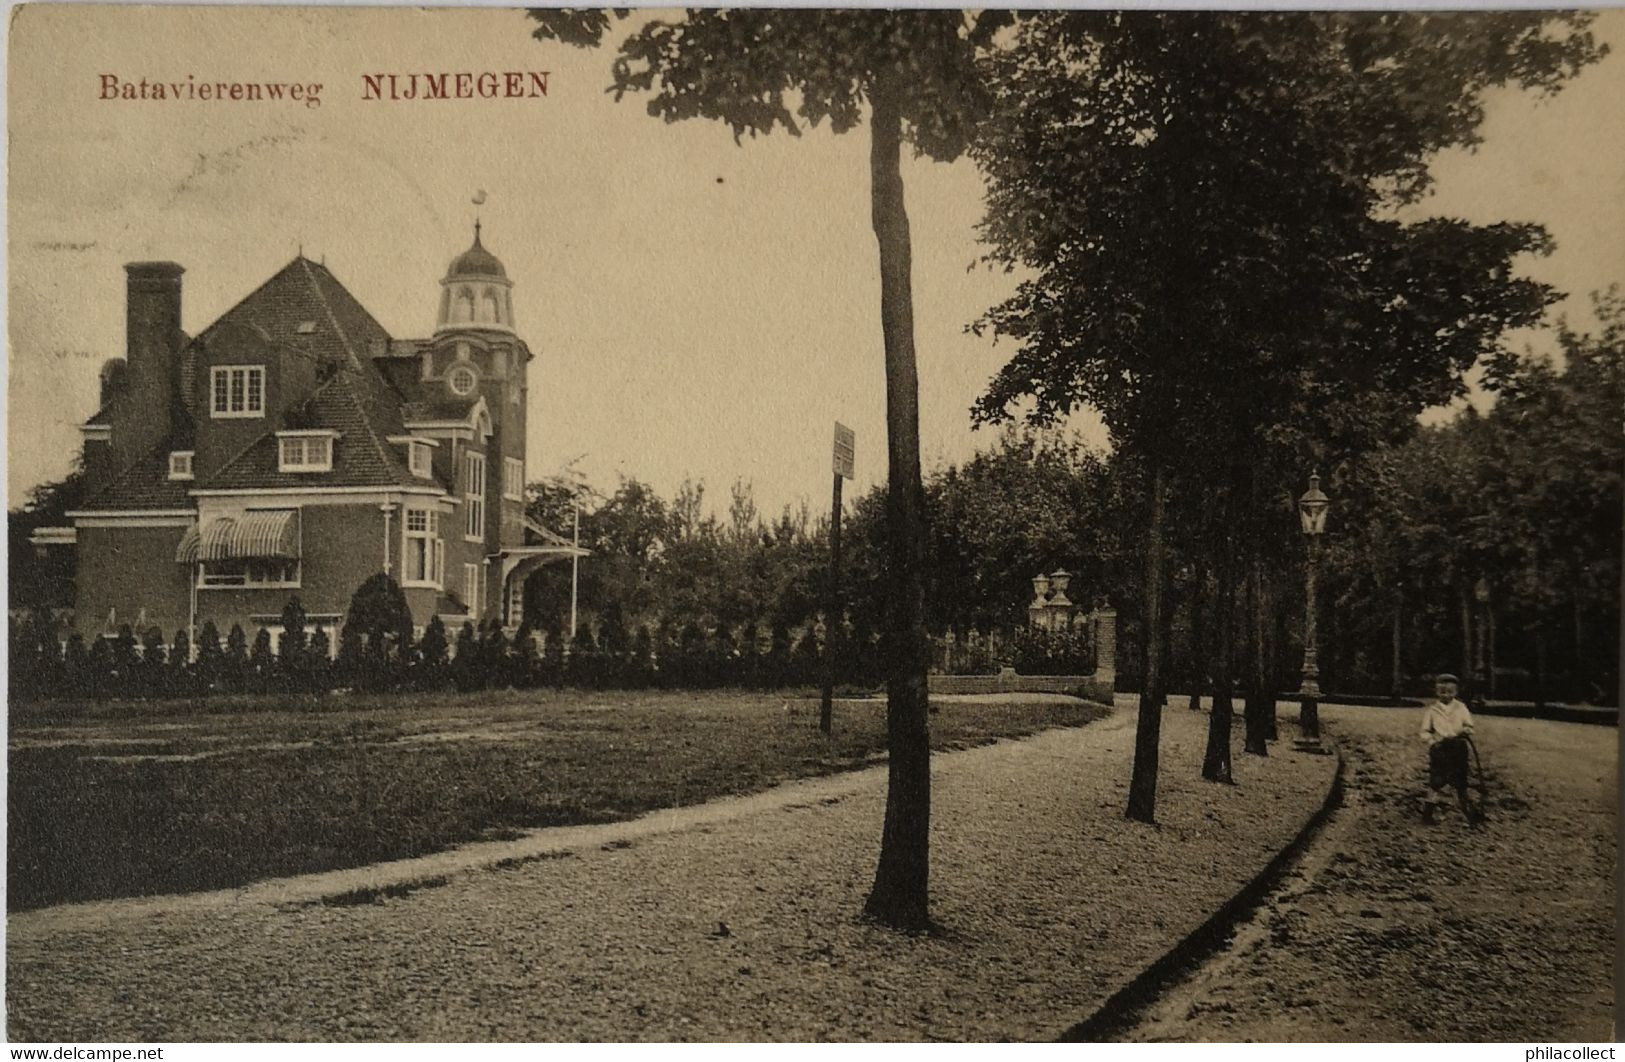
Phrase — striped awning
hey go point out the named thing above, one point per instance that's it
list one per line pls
(271, 533)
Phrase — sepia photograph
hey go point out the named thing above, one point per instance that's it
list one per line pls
(817, 525)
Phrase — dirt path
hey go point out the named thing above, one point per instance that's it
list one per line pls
(1389, 929)
(739, 926)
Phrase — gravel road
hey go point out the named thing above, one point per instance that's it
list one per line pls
(738, 924)
(1390, 929)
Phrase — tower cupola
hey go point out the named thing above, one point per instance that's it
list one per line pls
(476, 292)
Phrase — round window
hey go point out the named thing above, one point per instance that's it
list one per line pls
(462, 380)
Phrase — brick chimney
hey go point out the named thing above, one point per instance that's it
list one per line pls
(152, 342)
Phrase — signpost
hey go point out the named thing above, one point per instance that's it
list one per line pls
(845, 457)
(846, 446)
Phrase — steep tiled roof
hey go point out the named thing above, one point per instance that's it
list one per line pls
(301, 311)
(438, 409)
(182, 432)
(304, 310)
(361, 457)
(144, 485)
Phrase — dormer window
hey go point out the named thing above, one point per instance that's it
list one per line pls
(237, 391)
(306, 328)
(419, 454)
(180, 464)
(305, 451)
(418, 459)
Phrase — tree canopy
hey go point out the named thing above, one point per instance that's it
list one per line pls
(1204, 203)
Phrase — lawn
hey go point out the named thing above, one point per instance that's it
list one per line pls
(128, 800)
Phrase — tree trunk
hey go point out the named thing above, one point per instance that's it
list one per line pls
(1165, 640)
(1465, 671)
(1216, 760)
(1396, 683)
(1253, 707)
(1198, 649)
(901, 889)
(1580, 670)
(1266, 653)
(1540, 660)
(1142, 788)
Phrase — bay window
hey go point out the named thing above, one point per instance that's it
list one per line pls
(424, 552)
(474, 496)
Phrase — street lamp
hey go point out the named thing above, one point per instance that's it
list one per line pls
(1312, 516)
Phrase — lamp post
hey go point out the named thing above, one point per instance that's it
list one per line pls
(1312, 516)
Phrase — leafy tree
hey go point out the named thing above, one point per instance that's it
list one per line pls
(124, 658)
(1548, 509)
(319, 657)
(261, 660)
(36, 656)
(805, 659)
(627, 533)
(235, 664)
(43, 578)
(210, 657)
(1525, 497)
(1031, 503)
(433, 652)
(524, 657)
(352, 663)
(642, 656)
(494, 650)
(465, 666)
(294, 641)
(153, 662)
(76, 665)
(102, 681)
(380, 616)
(917, 72)
(553, 655)
(1212, 250)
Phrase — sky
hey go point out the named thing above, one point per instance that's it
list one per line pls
(699, 308)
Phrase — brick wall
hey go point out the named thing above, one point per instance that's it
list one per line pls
(341, 545)
(128, 569)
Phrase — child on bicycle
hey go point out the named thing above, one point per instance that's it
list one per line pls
(1446, 726)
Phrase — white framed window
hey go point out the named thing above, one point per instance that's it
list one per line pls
(418, 459)
(237, 391)
(471, 589)
(180, 464)
(474, 496)
(513, 478)
(305, 452)
(424, 551)
(248, 573)
(462, 380)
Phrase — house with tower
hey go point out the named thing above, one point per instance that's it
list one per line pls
(295, 448)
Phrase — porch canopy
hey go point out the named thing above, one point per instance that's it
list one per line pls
(269, 535)
(518, 562)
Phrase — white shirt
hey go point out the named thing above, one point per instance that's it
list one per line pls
(1442, 720)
